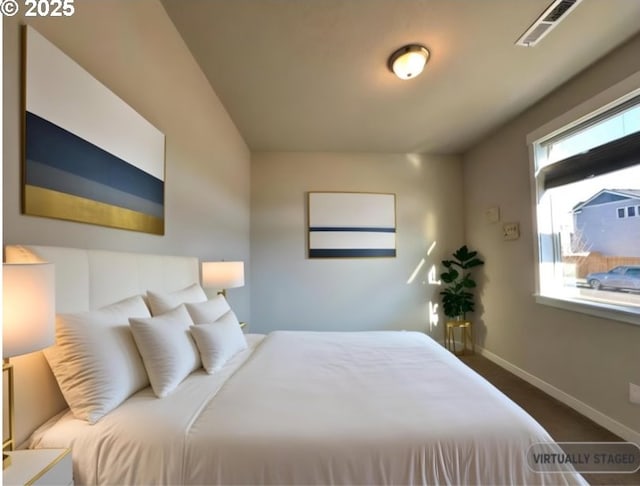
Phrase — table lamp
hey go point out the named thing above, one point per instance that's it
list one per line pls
(28, 323)
(222, 275)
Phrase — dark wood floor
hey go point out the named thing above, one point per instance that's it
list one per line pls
(563, 423)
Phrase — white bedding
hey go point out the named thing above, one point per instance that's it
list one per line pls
(314, 408)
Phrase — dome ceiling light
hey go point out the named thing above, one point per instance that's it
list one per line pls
(408, 61)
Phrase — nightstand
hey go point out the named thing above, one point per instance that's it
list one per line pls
(51, 467)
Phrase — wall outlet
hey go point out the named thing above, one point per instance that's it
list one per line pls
(634, 393)
(510, 231)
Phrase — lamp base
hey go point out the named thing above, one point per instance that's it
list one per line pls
(7, 442)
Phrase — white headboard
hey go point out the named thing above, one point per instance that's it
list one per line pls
(85, 280)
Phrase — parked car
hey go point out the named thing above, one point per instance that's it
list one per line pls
(622, 277)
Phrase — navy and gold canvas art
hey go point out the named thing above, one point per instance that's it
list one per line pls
(89, 157)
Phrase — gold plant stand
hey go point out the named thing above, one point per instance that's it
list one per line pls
(466, 336)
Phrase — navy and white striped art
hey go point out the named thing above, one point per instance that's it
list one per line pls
(89, 157)
(349, 224)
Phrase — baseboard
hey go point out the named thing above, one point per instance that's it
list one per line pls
(601, 419)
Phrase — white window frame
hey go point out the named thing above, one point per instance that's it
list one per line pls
(626, 89)
(629, 210)
(622, 213)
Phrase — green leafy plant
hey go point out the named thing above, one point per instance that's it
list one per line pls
(457, 299)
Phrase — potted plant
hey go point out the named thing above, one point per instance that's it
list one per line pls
(457, 298)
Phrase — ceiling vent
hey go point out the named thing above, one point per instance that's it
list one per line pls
(551, 17)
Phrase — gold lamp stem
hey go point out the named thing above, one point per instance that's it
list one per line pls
(8, 443)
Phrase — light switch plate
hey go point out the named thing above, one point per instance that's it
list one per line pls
(510, 231)
(492, 215)
(634, 393)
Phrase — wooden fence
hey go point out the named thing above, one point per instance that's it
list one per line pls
(597, 262)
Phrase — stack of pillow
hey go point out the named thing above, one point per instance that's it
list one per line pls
(103, 357)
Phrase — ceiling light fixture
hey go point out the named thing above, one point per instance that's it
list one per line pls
(408, 61)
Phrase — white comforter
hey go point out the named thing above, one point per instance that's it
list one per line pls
(315, 408)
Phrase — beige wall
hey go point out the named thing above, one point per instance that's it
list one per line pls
(590, 359)
(134, 49)
(291, 291)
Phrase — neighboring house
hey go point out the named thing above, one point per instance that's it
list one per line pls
(609, 223)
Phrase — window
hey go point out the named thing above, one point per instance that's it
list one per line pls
(586, 176)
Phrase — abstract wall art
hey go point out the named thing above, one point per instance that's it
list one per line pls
(351, 224)
(89, 156)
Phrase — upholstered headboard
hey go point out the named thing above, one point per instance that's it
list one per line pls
(85, 280)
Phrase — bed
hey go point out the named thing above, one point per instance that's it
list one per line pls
(291, 407)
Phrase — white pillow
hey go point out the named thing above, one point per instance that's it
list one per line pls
(167, 348)
(95, 359)
(161, 302)
(219, 341)
(209, 311)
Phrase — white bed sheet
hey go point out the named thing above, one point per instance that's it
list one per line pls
(315, 408)
(143, 440)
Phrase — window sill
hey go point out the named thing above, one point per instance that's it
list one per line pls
(627, 314)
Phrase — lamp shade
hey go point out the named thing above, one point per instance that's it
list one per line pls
(28, 308)
(408, 61)
(222, 275)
